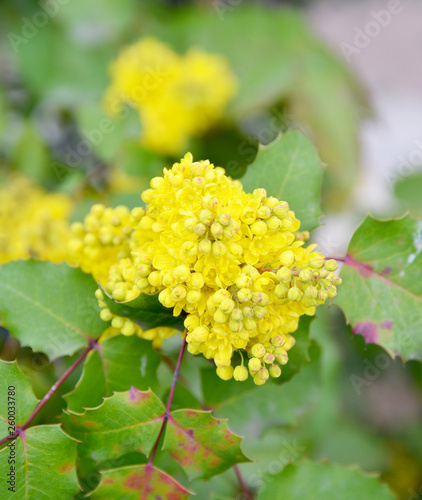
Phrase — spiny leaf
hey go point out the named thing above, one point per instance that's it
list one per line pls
(116, 364)
(22, 401)
(44, 464)
(381, 293)
(144, 482)
(126, 422)
(146, 311)
(203, 445)
(312, 481)
(289, 169)
(49, 307)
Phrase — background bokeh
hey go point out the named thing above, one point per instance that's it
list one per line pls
(346, 75)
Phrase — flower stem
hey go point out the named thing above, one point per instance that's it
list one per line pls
(169, 401)
(46, 398)
(246, 492)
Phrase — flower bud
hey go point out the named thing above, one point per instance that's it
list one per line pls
(258, 381)
(205, 246)
(219, 249)
(181, 273)
(281, 291)
(227, 305)
(259, 228)
(236, 326)
(248, 312)
(278, 341)
(263, 212)
(200, 334)
(244, 295)
(260, 298)
(193, 296)
(200, 229)
(240, 373)
(260, 193)
(311, 292)
(106, 315)
(216, 229)
(287, 258)
(225, 372)
(220, 317)
(260, 312)
(332, 292)
(191, 321)
(294, 294)
(249, 324)
(281, 355)
(284, 274)
(206, 216)
(243, 281)
(263, 374)
(322, 294)
(254, 365)
(237, 315)
(258, 351)
(179, 292)
(220, 295)
(141, 283)
(224, 219)
(196, 281)
(269, 358)
(306, 275)
(331, 265)
(273, 223)
(317, 263)
(275, 371)
(281, 209)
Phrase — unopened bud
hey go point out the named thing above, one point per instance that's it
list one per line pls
(240, 373)
(220, 317)
(294, 294)
(254, 365)
(275, 371)
(284, 274)
(225, 372)
(331, 265)
(204, 246)
(281, 210)
(258, 351)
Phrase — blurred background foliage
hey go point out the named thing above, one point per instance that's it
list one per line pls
(341, 406)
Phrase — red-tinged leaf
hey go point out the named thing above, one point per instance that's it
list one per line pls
(381, 293)
(203, 445)
(126, 422)
(144, 482)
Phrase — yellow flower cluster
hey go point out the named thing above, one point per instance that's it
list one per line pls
(33, 223)
(176, 96)
(233, 263)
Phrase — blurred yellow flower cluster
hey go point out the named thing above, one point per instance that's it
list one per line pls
(33, 223)
(176, 96)
(233, 263)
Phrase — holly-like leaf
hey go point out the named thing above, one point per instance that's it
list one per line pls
(381, 293)
(44, 464)
(311, 481)
(146, 310)
(126, 422)
(145, 482)
(203, 445)
(49, 307)
(289, 169)
(16, 394)
(116, 364)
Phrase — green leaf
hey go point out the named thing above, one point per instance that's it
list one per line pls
(44, 464)
(22, 401)
(381, 294)
(289, 169)
(116, 364)
(201, 444)
(146, 311)
(312, 481)
(139, 482)
(49, 307)
(126, 422)
(408, 191)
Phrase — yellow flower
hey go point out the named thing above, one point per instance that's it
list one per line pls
(177, 97)
(33, 223)
(233, 263)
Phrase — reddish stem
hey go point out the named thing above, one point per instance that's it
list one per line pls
(169, 401)
(338, 259)
(242, 483)
(46, 398)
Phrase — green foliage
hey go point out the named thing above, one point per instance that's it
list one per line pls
(311, 481)
(137, 482)
(146, 310)
(49, 307)
(383, 270)
(116, 364)
(288, 168)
